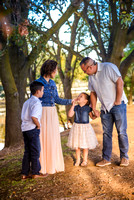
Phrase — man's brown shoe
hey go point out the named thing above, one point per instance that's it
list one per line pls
(39, 176)
(103, 163)
(23, 177)
(124, 162)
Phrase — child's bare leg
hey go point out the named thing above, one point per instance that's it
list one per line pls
(77, 157)
(85, 155)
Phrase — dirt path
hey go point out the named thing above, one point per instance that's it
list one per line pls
(76, 183)
(111, 182)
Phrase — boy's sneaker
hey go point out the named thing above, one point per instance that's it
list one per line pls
(124, 162)
(103, 163)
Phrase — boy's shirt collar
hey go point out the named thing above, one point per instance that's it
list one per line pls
(33, 96)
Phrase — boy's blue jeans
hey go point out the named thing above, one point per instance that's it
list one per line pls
(32, 152)
(118, 116)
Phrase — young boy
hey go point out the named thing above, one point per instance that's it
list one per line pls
(30, 116)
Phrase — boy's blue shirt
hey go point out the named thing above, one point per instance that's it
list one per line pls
(50, 96)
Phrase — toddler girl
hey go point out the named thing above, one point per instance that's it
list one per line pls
(82, 135)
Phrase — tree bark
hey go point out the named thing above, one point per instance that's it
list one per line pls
(130, 100)
(13, 133)
(20, 72)
(118, 46)
(125, 64)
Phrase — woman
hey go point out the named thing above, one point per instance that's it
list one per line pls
(51, 157)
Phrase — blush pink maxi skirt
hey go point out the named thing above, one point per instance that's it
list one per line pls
(51, 157)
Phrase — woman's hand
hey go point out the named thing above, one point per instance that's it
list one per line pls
(74, 101)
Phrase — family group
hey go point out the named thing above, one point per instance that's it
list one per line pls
(40, 125)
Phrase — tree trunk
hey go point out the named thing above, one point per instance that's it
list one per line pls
(130, 100)
(118, 46)
(67, 91)
(125, 64)
(19, 70)
(13, 133)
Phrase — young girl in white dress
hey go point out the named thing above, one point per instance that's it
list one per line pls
(82, 135)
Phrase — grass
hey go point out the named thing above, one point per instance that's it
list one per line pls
(11, 185)
(66, 150)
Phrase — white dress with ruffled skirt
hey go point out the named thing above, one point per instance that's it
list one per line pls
(82, 135)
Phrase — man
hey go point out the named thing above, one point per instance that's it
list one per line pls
(105, 82)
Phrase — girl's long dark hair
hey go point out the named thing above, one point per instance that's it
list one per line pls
(87, 97)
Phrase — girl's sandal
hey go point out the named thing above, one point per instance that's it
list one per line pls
(77, 164)
(84, 163)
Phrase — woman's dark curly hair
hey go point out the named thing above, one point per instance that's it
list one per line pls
(87, 97)
(48, 67)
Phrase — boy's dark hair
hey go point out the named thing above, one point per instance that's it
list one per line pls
(34, 86)
(85, 60)
(87, 97)
(48, 67)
